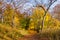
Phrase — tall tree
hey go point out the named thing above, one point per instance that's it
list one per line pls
(45, 11)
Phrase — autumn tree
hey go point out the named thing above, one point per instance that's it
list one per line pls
(36, 19)
(42, 17)
(18, 17)
(8, 15)
(45, 11)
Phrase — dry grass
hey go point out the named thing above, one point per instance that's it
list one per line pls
(9, 33)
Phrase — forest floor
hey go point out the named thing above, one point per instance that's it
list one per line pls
(33, 37)
(47, 34)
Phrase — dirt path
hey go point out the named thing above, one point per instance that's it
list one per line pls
(33, 37)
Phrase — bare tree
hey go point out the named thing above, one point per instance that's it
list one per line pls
(1, 10)
(56, 12)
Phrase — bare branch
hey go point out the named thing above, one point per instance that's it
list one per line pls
(46, 13)
(50, 5)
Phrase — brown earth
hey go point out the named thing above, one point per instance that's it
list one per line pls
(33, 37)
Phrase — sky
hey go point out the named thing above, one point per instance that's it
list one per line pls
(27, 4)
(51, 8)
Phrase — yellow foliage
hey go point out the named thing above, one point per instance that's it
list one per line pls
(8, 15)
(16, 20)
(38, 12)
(47, 17)
(9, 12)
(9, 33)
(31, 25)
(11, 16)
(37, 17)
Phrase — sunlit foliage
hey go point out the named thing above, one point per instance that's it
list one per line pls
(36, 20)
(8, 15)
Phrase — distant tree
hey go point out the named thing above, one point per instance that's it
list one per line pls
(24, 21)
(1, 11)
(56, 12)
